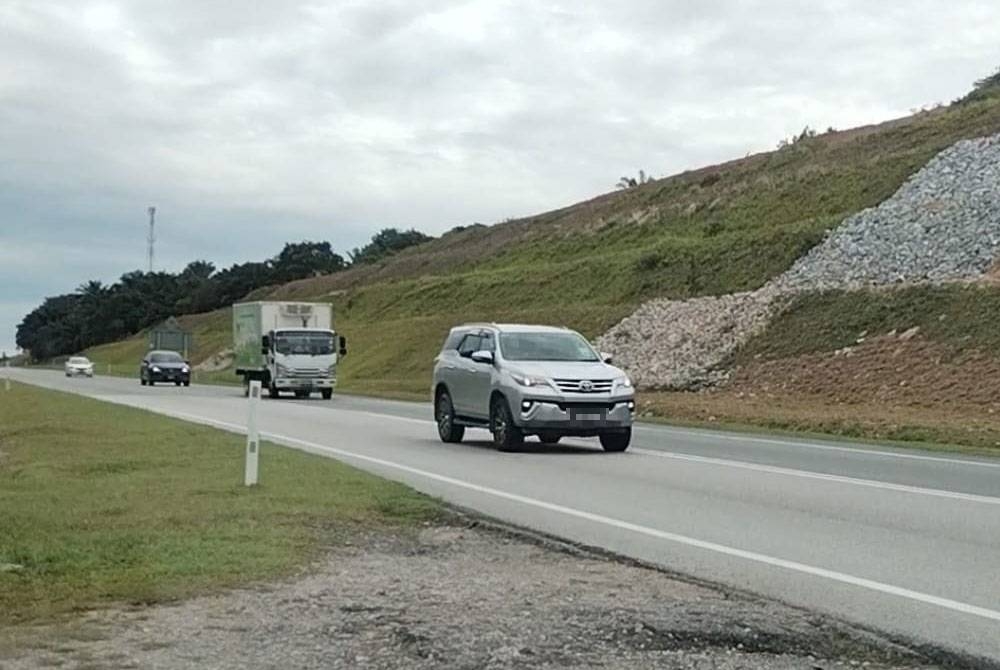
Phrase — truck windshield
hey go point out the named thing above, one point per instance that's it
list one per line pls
(544, 346)
(303, 343)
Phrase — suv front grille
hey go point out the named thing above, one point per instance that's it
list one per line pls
(584, 385)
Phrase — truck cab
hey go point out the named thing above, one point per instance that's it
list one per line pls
(302, 361)
(290, 347)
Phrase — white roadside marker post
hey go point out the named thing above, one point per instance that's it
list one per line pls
(253, 437)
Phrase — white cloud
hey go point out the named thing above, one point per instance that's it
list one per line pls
(249, 124)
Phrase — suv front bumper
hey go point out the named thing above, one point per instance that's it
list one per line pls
(572, 416)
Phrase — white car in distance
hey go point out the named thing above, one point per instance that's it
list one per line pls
(79, 366)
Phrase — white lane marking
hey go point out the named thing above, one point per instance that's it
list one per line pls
(859, 450)
(840, 479)
(770, 469)
(662, 428)
(833, 575)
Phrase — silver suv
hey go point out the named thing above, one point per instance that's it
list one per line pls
(520, 380)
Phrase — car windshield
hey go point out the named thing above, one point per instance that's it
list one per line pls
(166, 357)
(79, 360)
(304, 343)
(544, 346)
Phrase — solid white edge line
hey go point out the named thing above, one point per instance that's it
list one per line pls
(770, 469)
(872, 585)
(860, 449)
(806, 474)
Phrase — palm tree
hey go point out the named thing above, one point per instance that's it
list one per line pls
(632, 182)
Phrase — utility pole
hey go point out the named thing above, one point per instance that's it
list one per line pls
(152, 237)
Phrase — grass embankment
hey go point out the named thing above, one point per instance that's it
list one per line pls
(919, 364)
(102, 503)
(716, 230)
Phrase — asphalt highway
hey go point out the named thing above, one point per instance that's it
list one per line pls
(906, 542)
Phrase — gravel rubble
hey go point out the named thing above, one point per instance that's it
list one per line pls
(462, 597)
(943, 224)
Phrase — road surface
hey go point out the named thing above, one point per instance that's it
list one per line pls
(906, 542)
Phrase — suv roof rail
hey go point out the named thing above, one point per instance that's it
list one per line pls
(478, 324)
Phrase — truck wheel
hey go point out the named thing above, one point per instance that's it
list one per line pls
(326, 393)
(506, 436)
(617, 441)
(444, 415)
(549, 438)
(272, 391)
(246, 387)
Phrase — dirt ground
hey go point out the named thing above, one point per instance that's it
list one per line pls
(891, 387)
(459, 596)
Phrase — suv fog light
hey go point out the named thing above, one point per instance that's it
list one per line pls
(526, 405)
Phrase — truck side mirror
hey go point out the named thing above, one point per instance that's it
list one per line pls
(265, 345)
(343, 345)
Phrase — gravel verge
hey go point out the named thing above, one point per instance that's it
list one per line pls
(462, 596)
(942, 225)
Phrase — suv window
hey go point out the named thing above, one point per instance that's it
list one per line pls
(453, 339)
(470, 343)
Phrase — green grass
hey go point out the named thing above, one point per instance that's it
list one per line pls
(102, 503)
(962, 317)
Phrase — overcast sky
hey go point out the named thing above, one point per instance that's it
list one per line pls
(249, 124)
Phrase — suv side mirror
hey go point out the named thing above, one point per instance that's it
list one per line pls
(482, 357)
(343, 345)
(265, 345)
(606, 357)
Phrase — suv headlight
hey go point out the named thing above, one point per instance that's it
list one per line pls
(623, 383)
(185, 370)
(529, 381)
(156, 368)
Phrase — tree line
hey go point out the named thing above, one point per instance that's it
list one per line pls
(96, 313)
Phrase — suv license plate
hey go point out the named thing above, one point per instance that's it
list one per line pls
(588, 417)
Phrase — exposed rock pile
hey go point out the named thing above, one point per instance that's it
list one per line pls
(942, 224)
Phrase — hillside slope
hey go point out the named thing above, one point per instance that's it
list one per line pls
(714, 231)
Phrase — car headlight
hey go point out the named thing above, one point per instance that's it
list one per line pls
(623, 383)
(156, 368)
(529, 381)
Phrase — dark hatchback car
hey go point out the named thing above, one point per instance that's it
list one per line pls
(164, 366)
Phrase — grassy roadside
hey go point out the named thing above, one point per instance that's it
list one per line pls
(103, 504)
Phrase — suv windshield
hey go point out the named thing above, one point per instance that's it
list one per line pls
(545, 346)
(166, 357)
(78, 360)
(304, 343)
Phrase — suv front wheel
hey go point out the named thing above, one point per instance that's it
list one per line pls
(444, 415)
(616, 441)
(506, 436)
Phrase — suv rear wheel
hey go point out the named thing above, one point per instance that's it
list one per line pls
(506, 436)
(616, 441)
(444, 415)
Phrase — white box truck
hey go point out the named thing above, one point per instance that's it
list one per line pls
(289, 346)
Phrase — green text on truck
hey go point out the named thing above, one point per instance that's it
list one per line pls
(289, 346)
